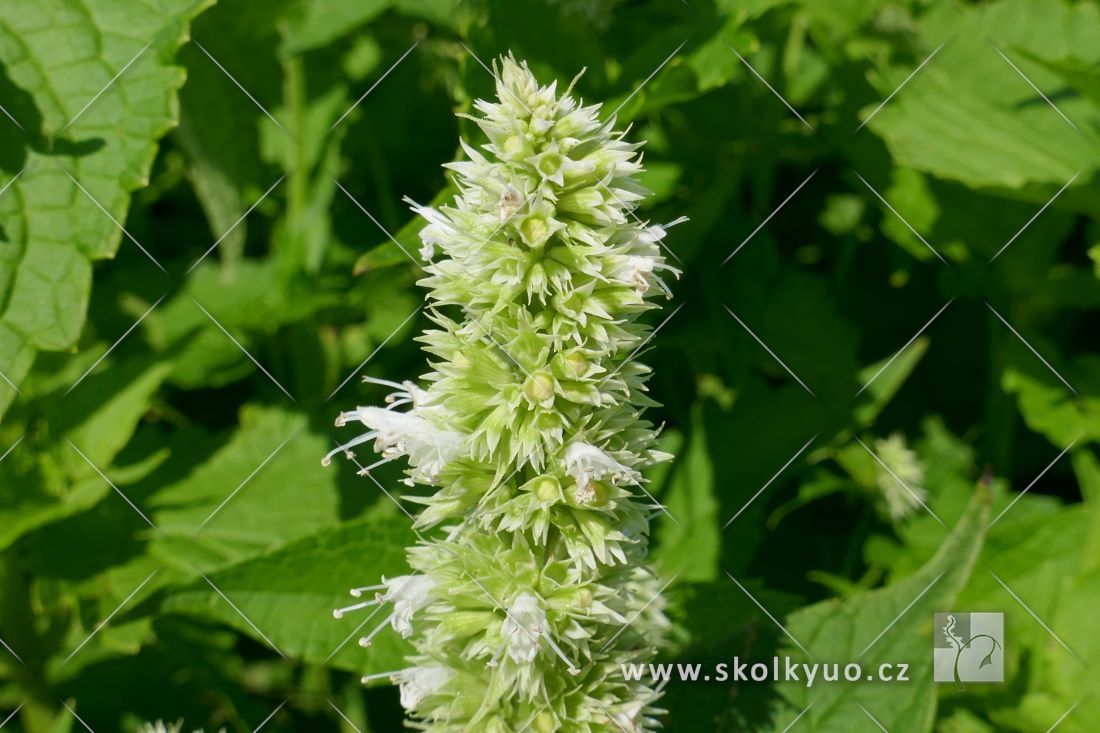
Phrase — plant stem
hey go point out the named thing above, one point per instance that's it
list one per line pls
(17, 620)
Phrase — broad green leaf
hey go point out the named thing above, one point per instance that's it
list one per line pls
(102, 412)
(45, 479)
(1032, 552)
(290, 594)
(75, 118)
(844, 631)
(970, 117)
(251, 302)
(316, 23)
(1087, 469)
(23, 511)
(1049, 408)
(964, 721)
(244, 299)
(1068, 679)
(263, 488)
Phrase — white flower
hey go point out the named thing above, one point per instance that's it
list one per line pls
(438, 232)
(586, 463)
(654, 234)
(429, 448)
(161, 727)
(427, 246)
(900, 483)
(409, 594)
(585, 493)
(416, 683)
(521, 629)
(407, 393)
(626, 718)
(640, 270)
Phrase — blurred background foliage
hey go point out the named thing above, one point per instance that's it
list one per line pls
(169, 544)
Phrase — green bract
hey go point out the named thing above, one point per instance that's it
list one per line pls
(532, 589)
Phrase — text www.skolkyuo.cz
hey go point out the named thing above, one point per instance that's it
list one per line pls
(781, 669)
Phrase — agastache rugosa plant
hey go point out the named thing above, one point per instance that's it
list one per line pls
(530, 586)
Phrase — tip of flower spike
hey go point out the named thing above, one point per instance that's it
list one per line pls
(364, 642)
(337, 613)
(326, 461)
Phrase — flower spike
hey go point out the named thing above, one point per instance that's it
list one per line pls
(530, 582)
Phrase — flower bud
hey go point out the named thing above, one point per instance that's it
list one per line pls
(539, 388)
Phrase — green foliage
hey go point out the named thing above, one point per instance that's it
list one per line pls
(72, 157)
(886, 625)
(165, 525)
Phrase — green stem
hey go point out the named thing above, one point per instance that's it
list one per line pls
(1000, 414)
(294, 93)
(17, 619)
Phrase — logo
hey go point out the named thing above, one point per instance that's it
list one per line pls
(969, 647)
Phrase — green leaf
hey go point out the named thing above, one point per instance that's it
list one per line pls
(1087, 469)
(844, 631)
(59, 57)
(317, 23)
(910, 192)
(1049, 408)
(289, 594)
(970, 117)
(263, 488)
(219, 128)
(1066, 678)
(102, 412)
(32, 507)
(244, 299)
(886, 377)
(45, 479)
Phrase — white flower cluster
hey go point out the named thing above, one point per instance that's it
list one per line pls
(900, 479)
(532, 588)
(160, 726)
